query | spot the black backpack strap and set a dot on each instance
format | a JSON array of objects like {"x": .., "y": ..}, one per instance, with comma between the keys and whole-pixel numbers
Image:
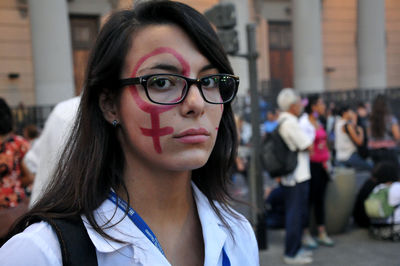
[{"x": 76, "y": 246}]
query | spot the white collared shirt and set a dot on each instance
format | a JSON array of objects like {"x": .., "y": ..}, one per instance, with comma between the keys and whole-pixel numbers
[
  {"x": 307, "y": 126},
  {"x": 296, "y": 139},
  {"x": 39, "y": 243}
]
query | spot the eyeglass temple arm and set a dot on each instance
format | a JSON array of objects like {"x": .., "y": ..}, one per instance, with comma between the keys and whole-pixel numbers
[{"x": 129, "y": 81}]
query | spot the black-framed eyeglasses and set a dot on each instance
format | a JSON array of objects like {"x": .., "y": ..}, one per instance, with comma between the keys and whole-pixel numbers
[{"x": 169, "y": 89}]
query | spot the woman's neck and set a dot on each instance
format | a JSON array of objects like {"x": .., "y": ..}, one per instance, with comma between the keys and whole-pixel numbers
[
  {"x": 313, "y": 120},
  {"x": 159, "y": 196},
  {"x": 165, "y": 202}
]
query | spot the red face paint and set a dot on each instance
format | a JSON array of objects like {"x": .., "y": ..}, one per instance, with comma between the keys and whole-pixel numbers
[{"x": 155, "y": 132}]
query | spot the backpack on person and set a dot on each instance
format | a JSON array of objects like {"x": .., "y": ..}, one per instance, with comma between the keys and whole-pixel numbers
[
  {"x": 276, "y": 157},
  {"x": 378, "y": 210},
  {"x": 377, "y": 205},
  {"x": 75, "y": 244}
]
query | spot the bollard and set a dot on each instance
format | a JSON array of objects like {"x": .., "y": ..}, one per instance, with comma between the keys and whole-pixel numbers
[{"x": 340, "y": 197}]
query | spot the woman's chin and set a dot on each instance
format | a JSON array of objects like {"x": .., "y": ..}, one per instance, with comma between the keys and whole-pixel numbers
[{"x": 190, "y": 162}]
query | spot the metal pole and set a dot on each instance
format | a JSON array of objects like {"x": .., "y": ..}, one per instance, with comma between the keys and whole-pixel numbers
[{"x": 256, "y": 182}]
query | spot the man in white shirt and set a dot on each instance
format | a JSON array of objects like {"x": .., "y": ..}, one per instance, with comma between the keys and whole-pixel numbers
[
  {"x": 296, "y": 184},
  {"x": 42, "y": 158}
]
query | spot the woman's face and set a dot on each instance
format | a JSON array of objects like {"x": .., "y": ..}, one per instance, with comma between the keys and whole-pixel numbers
[
  {"x": 319, "y": 107},
  {"x": 172, "y": 137}
]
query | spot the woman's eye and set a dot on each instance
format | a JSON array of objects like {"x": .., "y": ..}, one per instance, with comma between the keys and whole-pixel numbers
[
  {"x": 210, "y": 82},
  {"x": 160, "y": 83}
]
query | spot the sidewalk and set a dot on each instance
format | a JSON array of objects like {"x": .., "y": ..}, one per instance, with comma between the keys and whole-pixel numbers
[{"x": 353, "y": 248}]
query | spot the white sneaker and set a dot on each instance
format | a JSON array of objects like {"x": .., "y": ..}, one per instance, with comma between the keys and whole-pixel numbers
[
  {"x": 325, "y": 240},
  {"x": 299, "y": 259},
  {"x": 305, "y": 252},
  {"x": 309, "y": 242}
]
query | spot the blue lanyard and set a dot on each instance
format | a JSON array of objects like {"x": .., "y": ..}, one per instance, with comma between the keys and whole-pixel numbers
[{"x": 138, "y": 221}]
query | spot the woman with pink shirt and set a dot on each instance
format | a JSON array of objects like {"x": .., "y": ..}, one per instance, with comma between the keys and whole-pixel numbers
[{"x": 319, "y": 157}]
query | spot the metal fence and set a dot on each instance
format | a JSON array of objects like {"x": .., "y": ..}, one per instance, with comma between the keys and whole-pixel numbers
[
  {"x": 37, "y": 115},
  {"x": 32, "y": 115},
  {"x": 350, "y": 97}
]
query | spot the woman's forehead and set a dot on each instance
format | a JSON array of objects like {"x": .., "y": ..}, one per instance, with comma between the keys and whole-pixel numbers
[{"x": 167, "y": 44}]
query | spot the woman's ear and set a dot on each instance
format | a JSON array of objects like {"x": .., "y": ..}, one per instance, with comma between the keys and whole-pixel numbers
[{"x": 108, "y": 106}]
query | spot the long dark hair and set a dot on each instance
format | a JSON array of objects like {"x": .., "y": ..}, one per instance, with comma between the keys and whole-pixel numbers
[
  {"x": 311, "y": 101},
  {"x": 92, "y": 162},
  {"x": 380, "y": 114}
]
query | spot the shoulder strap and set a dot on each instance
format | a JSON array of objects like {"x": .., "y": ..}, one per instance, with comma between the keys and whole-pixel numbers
[
  {"x": 279, "y": 133},
  {"x": 76, "y": 246}
]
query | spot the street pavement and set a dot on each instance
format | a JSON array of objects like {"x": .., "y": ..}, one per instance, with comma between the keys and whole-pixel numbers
[{"x": 352, "y": 248}]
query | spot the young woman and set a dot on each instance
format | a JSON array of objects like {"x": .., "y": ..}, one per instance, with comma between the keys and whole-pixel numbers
[
  {"x": 319, "y": 157},
  {"x": 147, "y": 163},
  {"x": 348, "y": 135},
  {"x": 384, "y": 132}
]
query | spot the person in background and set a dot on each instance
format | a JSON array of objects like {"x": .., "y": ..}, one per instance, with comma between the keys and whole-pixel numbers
[
  {"x": 383, "y": 172},
  {"x": 384, "y": 132},
  {"x": 331, "y": 117},
  {"x": 31, "y": 133},
  {"x": 362, "y": 114},
  {"x": 14, "y": 175},
  {"x": 387, "y": 228},
  {"x": 362, "y": 122},
  {"x": 42, "y": 158},
  {"x": 347, "y": 137},
  {"x": 146, "y": 167},
  {"x": 295, "y": 185},
  {"x": 271, "y": 123},
  {"x": 319, "y": 157}
]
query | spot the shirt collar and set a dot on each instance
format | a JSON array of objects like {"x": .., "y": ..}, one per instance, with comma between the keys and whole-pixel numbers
[
  {"x": 214, "y": 231},
  {"x": 121, "y": 227}
]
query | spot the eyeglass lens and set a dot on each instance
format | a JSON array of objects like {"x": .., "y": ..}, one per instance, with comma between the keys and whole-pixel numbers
[{"x": 171, "y": 89}]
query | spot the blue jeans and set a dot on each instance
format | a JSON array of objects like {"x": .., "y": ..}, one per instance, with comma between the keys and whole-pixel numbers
[
  {"x": 296, "y": 206},
  {"x": 357, "y": 162}
]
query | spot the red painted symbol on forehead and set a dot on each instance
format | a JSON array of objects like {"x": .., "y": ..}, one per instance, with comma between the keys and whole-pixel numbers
[{"x": 155, "y": 132}]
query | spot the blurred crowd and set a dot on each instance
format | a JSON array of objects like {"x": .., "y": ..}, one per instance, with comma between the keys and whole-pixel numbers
[
  {"x": 327, "y": 136},
  {"x": 363, "y": 136}
]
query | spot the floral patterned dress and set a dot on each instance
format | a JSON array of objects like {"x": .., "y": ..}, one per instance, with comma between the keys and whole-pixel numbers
[{"x": 12, "y": 151}]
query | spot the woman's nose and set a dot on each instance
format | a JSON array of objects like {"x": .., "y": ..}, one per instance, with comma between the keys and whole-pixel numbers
[{"x": 194, "y": 103}]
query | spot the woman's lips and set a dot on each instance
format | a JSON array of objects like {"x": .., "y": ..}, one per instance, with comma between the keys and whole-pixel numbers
[{"x": 192, "y": 136}]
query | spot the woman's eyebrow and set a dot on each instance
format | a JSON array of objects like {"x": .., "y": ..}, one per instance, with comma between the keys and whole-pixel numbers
[
  {"x": 166, "y": 67},
  {"x": 207, "y": 67}
]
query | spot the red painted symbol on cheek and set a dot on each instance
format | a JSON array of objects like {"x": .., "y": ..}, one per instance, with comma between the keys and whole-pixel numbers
[{"x": 155, "y": 132}]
